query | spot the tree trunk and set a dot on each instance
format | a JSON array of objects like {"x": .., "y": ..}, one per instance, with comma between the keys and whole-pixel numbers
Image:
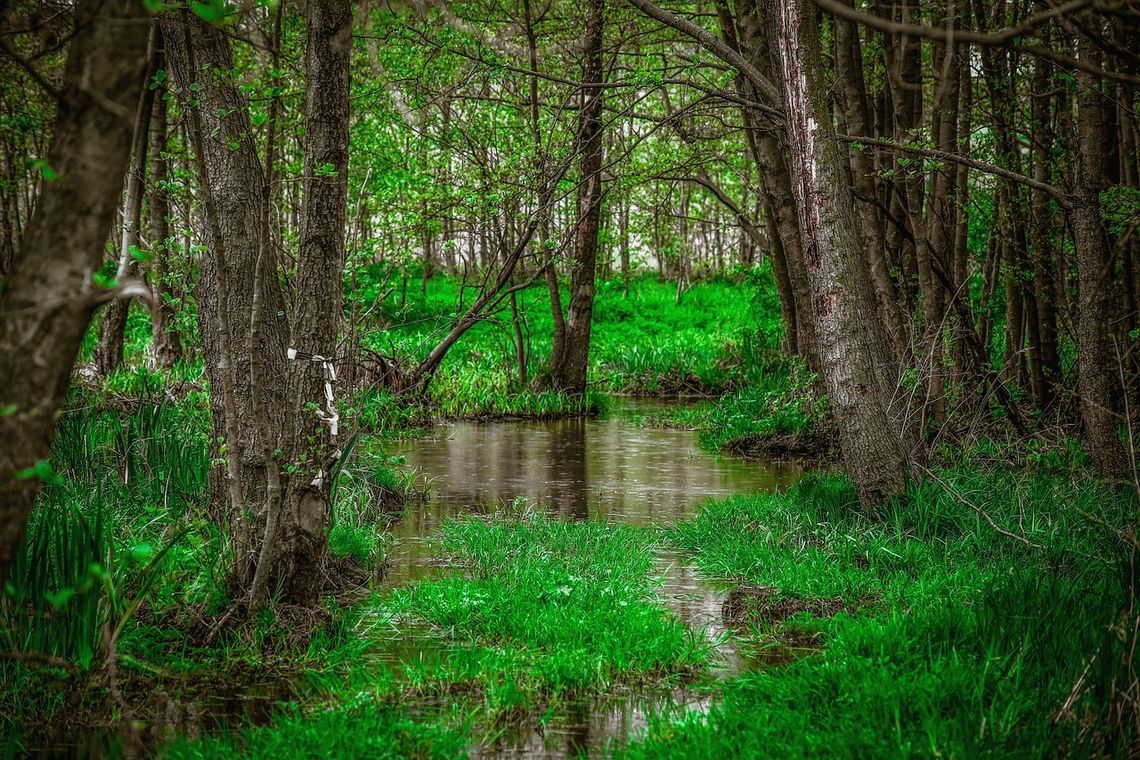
[
  {"x": 568, "y": 371},
  {"x": 48, "y": 297},
  {"x": 233, "y": 196},
  {"x": 776, "y": 188},
  {"x": 849, "y": 70},
  {"x": 1093, "y": 273},
  {"x": 849, "y": 333},
  {"x": 295, "y": 548},
  {"x": 166, "y": 346},
  {"x": 113, "y": 327}
]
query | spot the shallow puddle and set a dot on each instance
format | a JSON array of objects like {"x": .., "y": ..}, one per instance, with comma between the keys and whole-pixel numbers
[{"x": 593, "y": 727}]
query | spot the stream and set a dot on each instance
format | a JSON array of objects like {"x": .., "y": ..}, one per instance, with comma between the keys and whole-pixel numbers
[{"x": 609, "y": 468}]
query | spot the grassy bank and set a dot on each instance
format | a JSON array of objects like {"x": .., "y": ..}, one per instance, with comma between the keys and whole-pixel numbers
[
  {"x": 940, "y": 635},
  {"x": 984, "y": 616},
  {"x": 720, "y": 336},
  {"x": 647, "y": 343}
]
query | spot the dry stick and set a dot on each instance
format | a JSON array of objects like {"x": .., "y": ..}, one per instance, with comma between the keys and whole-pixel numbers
[
  {"x": 1006, "y": 38},
  {"x": 951, "y": 35},
  {"x": 1127, "y": 414},
  {"x": 39, "y": 658},
  {"x": 966, "y": 502}
]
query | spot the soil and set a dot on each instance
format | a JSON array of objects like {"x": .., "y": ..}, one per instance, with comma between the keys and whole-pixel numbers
[{"x": 810, "y": 446}]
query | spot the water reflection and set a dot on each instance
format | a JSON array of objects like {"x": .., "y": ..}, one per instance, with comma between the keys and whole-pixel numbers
[{"x": 602, "y": 469}]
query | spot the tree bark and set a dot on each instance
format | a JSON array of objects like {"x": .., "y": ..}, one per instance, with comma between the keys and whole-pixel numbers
[
  {"x": 568, "y": 369},
  {"x": 49, "y": 295},
  {"x": 301, "y": 542},
  {"x": 233, "y": 196},
  {"x": 776, "y": 188},
  {"x": 849, "y": 74},
  {"x": 849, "y": 333},
  {"x": 1093, "y": 273},
  {"x": 113, "y": 327},
  {"x": 166, "y": 345}
]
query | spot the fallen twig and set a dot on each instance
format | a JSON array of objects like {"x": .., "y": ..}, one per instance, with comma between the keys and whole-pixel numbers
[{"x": 985, "y": 515}]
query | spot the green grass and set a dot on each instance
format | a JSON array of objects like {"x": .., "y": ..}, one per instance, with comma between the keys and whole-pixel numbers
[
  {"x": 576, "y": 592},
  {"x": 957, "y": 641},
  {"x": 722, "y": 336},
  {"x": 778, "y": 404},
  {"x": 538, "y": 613},
  {"x": 646, "y": 344}
]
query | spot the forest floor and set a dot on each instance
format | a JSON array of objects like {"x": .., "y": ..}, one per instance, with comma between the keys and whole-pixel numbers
[{"x": 987, "y": 614}]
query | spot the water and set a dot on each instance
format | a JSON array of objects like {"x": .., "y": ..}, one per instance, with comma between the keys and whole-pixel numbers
[
  {"x": 608, "y": 469},
  {"x": 599, "y": 469}
]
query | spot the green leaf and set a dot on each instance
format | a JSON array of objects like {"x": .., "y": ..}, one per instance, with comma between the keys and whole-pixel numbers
[
  {"x": 105, "y": 280},
  {"x": 49, "y": 174},
  {"x": 142, "y": 552},
  {"x": 41, "y": 470},
  {"x": 60, "y": 598},
  {"x": 214, "y": 11},
  {"x": 140, "y": 255}
]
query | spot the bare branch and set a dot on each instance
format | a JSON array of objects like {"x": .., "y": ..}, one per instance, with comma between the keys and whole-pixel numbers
[
  {"x": 955, "y": 158},
  {"x": 717, "y": 47}
]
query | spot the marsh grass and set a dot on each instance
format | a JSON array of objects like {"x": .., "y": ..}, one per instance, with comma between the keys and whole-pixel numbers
[
  {"x": 536, "y": 614},
  {"x": 576, "y": 592},
  {"x": 119, "y": 548},
  {"x": 958, "y": 641}
]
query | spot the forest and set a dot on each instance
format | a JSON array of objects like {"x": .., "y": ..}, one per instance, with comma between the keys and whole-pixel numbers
[{"x": 555, "y": 378}]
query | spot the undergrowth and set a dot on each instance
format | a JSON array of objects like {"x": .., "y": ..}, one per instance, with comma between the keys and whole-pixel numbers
[{"x": 956, "y": 640}]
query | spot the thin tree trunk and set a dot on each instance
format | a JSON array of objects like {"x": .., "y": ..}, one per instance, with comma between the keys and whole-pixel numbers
[
  {"x": 569, "y": 373},
  {"x": 776, "y": 189},
  {"x": 112, "y": 333},
  {"x": 166, "y": 346},
  {"x": 232, "y": 188},
  {"x": 1093, "y": 273},
  {"x": 295, "y": 553}
]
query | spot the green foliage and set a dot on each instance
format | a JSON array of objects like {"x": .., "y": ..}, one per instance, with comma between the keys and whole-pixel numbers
[
  {"x": 53, "y": 602},
  {"x": 576, "y": 592},
  {"x": 956, "y": 641},
  {"x": 1120, "y": 206}
]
